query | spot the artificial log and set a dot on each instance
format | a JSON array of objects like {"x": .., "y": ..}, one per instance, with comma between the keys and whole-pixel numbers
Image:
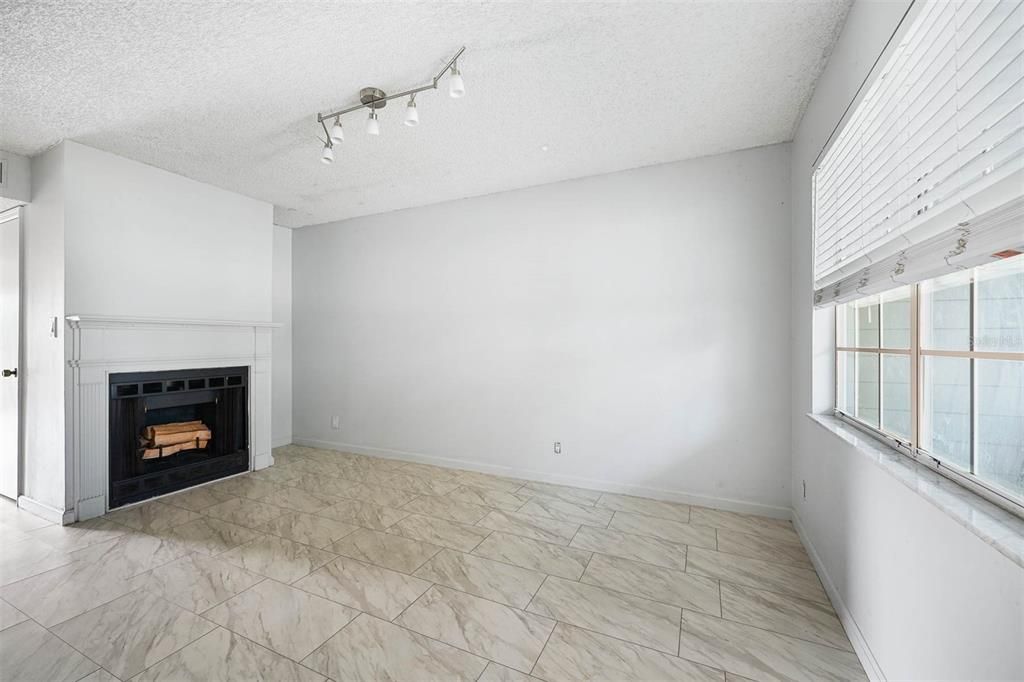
[
  {"x": 153, "y": 453},
  {"x": 150, "y": 432},
  {"x": 162, "y": 439}
]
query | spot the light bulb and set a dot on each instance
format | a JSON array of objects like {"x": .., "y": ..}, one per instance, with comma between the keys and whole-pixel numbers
[
  {"x": 372, "y": 125},
  {"x": 327, "y": 157},
  {"x": 456, "y": 87},
  {"x": 337, "y": 134},
  {"x": 412, "y": 118}
]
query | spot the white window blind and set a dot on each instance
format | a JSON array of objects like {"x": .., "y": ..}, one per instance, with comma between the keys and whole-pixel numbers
[{"x": 930, "y": 164}]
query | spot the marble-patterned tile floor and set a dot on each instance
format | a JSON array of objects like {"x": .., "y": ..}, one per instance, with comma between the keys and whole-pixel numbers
[{"x": 337, "y": 566}]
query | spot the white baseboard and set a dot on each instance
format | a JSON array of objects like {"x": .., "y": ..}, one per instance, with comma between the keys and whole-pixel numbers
[
  {"x": 513, "y": 472},
  {"x": 45, "y": 511},
  {"x": 857, "y": 639}
]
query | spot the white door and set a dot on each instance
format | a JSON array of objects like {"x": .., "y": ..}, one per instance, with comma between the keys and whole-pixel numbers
[{"x": 10, "y": 327}]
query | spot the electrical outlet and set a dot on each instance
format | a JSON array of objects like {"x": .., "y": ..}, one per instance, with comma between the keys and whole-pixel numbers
[
  {"x": 558, "y": 448},
  {"x": 336, "y": 422},
  {"x": 805, "y": 489}
]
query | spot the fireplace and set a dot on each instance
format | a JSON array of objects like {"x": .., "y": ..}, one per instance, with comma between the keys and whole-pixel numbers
[{"x": 175, "y": 429}]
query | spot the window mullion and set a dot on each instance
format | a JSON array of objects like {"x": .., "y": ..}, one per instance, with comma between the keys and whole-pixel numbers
[{"x": 915, "y": 367}]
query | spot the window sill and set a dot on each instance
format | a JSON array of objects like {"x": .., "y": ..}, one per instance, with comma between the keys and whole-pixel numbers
[{"x": 995, "y": 526}]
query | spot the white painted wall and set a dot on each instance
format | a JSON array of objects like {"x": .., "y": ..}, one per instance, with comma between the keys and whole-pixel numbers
[
  {"x": 16, "y": 184},
  {"x": 281, "y": 341},
  {"x": 930, "y": 599},
  {"x": 127, "y": 221},
  {"x": 636, "y": 317},
  {"x": 41, "y": 373}
]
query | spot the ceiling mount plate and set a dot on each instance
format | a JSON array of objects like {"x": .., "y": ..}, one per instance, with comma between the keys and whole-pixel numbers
[{"x": 373, "y": 98}]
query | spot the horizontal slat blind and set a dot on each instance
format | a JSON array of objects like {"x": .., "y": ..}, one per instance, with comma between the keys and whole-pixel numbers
[{"x": 940, "y": 129}]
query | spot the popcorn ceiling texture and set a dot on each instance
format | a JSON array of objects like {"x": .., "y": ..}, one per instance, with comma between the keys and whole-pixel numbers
[{"x": 226, "y": 92}]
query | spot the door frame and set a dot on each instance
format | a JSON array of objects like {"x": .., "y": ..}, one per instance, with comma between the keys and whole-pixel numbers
[{"x": 17, "y": 214}]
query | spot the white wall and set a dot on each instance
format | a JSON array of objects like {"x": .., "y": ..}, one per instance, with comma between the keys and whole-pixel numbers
[
  {"x": 41, "y": 373},
  {"x": 129, "y": 223},
  {"x": 16, "y": 187},
  {"x": 640, "y": 318},
  {"x": 930, "y": 599},
  {"x": 281, "y": 341}
]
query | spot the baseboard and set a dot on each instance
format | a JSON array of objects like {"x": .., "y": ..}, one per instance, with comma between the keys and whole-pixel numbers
[
  {"x": 684, "y": 497},
  {"x": 857, "y": 639},
  {"x": 45, "y": 511}
]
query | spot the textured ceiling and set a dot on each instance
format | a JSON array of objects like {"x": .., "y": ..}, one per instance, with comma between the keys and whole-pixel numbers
[{"x": 226, "y": 92}]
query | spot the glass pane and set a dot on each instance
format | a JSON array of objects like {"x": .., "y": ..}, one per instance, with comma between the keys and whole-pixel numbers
[
  {"x": 946, "y": 409},
  {"x": 866, "y": 408},
  {"x": 867, "y": 322},
  {"x": 946, "y": 312},
  {"x": 846, "y": 325},
  {"x": 1000, "y": 433},
  {"x": 896, "y": 395},
  {"x": 999, "y": 312},
  {"x": 846, "y": 383},
  {"x": 896, "y": 318}
]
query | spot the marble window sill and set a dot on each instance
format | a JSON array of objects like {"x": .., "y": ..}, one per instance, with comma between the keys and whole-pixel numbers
[{"x": 995, "y": 526}]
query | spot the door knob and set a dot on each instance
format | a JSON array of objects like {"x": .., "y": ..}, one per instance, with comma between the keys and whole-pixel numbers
[{"x": 11, "y": 372}]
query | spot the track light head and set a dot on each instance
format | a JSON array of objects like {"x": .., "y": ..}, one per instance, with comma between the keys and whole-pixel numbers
[
  {"x": 372, "y": 124},
  {"x": 327, "y": 157},
  {"x": 456, "y": 86},
  {"x": 412, "y": 118},
  {"x": 337, "y": 133}
]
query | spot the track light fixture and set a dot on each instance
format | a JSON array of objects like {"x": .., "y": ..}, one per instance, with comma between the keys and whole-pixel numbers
[{"x": 375, "y": 98}]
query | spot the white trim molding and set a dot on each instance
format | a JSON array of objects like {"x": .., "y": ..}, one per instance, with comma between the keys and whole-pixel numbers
[{"x": 101, "y": 345}]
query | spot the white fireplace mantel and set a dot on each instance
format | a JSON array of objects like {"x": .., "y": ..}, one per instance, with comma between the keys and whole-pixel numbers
[{"x": 104, "y": 345}]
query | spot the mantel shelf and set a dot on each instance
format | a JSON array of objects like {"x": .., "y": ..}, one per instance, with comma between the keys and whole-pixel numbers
[{"x": 99, "y": 321}]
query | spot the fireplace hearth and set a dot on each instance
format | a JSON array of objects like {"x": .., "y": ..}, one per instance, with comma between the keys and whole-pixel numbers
[{"x": 175, "y": 429}]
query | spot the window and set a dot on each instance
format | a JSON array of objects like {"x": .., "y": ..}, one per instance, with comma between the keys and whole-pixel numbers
[{"x": 939, "y": 368}]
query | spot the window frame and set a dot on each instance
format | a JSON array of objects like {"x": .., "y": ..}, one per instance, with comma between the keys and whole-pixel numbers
[{"x": 911, "y": 447}]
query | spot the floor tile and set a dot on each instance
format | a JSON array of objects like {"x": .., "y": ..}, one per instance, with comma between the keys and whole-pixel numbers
[
  {"x": 197, "y": 582},
  {"x": 297, "y": 499},
  {"x": 482, "y": 577},
  {"x": 439, "y": 532},
  {"x": 152, "y": 516},
  {"x": 369, "y": 648},
  {"x": 65, "y": 592},
  {"x": 99, "y": 675},
  {"x": 196, "y": 499},
  {"x": 222, "y": 656},
  {"x": 385, "y": 549},
  {"x": 29, "y": 557},
  {"x": 429, "y": 471},
  {"x": 133, "y": 632},
  {"x": 282, "y": 618},
  {"x": 246, "y": 486},
  {"x": 318, "y": 531},
  {"x": 628, "y": 546},
  {"x": 576, "y": 654},
  {"x": 134, "y": 553},
  {"x": 663, "y": 529},
  {"x": 212, "y": 536},
  {"x": 364, "y": 514},
  {"x": 654, "y": 582},
  {"x": 321, "y": 484},
  {"x": 744, "y": 523},
  {"x": 569, "y": 512},
  {"x": 633, "y": 619},
  {"x": 762, "y": 655},
  {"x": 502, "y": 634},
  {"x": 277, "y": 558},
  {"x": 448, "y": 509},
  {"x": 9, "y": 615},
  {"x": 280, "y": 474},
  {"x": 545, "y": 557},
  {"x": 30, "y": 653},
  {"x": 764, "y": 548},
  {"x": 79, "y": 535},
  {"x": 764, "y": 575},
  {"x": 489, "y": 481},
  {"x": 801, "y": 618},
  {"x": 388, "y": 497},
  {"x": 496, "y": 499},
  {"x": 495, "y": 672},
  {"x": 19, "y": 519},
  {"x": 673, "y": 511},
  {"x": 378, "y": 591},
  {"x": 563, "y": 492},
  {"x": 414, "y": 484},
  {"x": 535, "y": 527},
  {"x": 243, "y": 512}
]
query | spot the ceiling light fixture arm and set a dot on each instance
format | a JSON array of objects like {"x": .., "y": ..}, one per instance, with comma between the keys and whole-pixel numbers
[{"x": 405, "y": 93}]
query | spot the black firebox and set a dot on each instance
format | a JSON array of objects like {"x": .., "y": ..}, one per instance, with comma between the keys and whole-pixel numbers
[{"x": 215, "y": 398}]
